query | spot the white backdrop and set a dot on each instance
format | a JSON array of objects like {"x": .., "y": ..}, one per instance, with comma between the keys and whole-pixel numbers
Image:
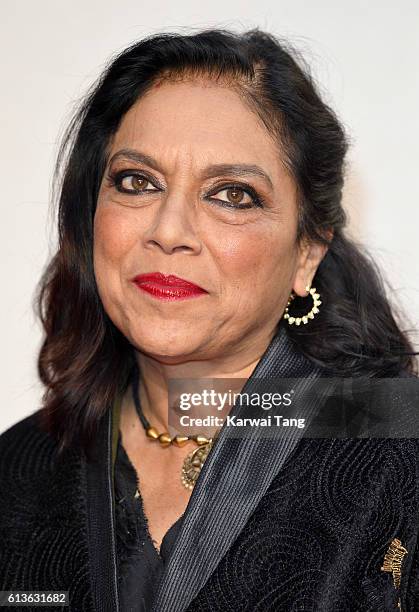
[{"x": 364, "y": 56}]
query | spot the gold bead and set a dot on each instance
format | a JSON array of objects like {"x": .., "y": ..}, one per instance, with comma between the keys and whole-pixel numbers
[
  {"x": 165, "y": 439},
  {"x": 152, "y": 433},
  {"x": 180, "y": 440},
  {"x": 201, "y": 440}
]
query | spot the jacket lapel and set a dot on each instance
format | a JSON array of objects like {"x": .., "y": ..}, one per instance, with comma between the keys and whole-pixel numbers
[
  {"x": 100, "y": 518},
  {"x": 234, "y": 477}
]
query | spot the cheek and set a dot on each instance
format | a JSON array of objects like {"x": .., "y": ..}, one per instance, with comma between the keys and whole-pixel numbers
[
  {"x": 111, "y": 242},
  {"x": 252, "y": 257},
  {"x": 111, "y": 237}
]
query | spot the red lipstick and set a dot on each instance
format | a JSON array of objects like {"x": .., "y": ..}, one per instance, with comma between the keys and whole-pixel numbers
[{"x": 169, "y": 287}]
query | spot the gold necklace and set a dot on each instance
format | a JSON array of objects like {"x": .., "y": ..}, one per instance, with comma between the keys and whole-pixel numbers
[{"x": 193, "y": 462}]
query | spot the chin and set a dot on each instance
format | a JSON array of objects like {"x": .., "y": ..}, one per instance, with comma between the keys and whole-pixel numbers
[
  {"x": 169, "y": 348},
  {"x": 162, "y": 355}
]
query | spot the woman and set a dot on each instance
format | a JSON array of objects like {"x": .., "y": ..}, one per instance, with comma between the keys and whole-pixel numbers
[{"x": 201, "y": 235}]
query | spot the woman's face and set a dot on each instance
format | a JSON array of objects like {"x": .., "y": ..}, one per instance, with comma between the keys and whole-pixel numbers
[{"x": 177, "y": 212}]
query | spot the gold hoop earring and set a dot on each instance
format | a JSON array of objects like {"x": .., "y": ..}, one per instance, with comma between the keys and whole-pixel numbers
[{"x": 309, "y": 315}]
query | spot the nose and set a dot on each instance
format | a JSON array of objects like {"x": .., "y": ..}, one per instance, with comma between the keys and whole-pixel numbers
[{"x": 173, "y": 227}]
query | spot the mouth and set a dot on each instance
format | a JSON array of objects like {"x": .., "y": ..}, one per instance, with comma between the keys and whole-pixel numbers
[{"x": 168, "y": 287}]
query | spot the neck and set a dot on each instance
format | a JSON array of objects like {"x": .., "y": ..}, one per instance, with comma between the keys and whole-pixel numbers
[{"x": 155, "y": 377}]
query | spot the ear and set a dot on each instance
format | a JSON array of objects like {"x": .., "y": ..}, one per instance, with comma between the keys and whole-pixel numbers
[{"x": 309, "y": 259}]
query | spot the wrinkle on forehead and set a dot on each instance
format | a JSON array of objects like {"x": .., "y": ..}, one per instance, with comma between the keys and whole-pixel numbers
[{"x": 198, "y": 123}]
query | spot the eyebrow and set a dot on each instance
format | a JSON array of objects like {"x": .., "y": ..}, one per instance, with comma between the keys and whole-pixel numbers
[{"x": 209, "y": 172}]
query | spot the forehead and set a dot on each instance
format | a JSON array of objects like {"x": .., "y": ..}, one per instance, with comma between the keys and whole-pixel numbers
[{"x": 197, "y": 120}]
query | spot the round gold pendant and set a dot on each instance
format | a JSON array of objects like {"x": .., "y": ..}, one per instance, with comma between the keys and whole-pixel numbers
[{"x": 193, "y": 463}]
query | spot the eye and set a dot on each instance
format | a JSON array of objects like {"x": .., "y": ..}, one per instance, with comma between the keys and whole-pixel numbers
[
  {"x": 238, "y": 197},
  {"x": 130, "y": 182}
]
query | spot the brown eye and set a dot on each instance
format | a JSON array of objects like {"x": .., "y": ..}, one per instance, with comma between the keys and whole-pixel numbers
[
  {"x": 133, "y": 182},
  {"x": 235, "y": 196}
]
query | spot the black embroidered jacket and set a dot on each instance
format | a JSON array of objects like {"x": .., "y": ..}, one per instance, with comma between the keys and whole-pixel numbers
[{"x": 273, "y": 524}]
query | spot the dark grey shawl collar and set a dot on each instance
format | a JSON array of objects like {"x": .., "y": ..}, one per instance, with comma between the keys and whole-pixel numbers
[{"x": 235, "y": 476}]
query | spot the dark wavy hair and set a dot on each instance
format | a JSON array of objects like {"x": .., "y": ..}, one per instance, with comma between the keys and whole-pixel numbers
[{"x": 84, "y": 360}]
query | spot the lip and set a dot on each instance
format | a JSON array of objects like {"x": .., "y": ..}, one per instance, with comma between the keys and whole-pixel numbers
[{"x": 167, "y": 287}]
